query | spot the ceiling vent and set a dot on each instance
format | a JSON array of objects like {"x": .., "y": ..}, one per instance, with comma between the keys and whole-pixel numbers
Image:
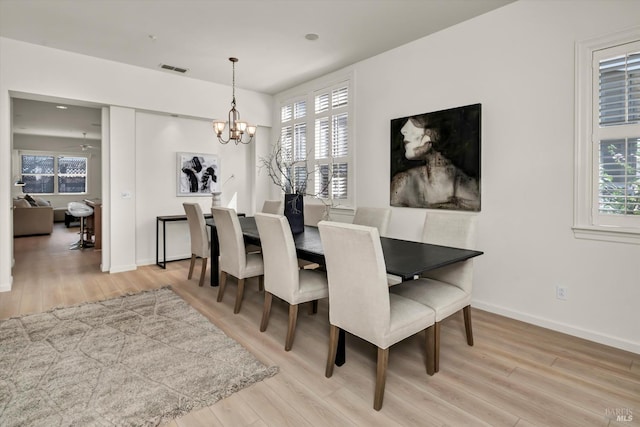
[{"x": 172, "y": 68}]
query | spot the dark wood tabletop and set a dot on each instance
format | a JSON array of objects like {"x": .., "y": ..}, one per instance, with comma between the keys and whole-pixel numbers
[{"x": 403, "y": 258}]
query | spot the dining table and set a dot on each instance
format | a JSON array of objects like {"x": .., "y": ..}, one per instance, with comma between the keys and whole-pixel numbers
[{"x": 404, "y": 259}]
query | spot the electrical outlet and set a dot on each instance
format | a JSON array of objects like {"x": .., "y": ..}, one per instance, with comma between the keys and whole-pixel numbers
[{"x": 562, "y": 293}]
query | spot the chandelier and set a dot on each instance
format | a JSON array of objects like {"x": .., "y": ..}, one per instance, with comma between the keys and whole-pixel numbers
[{"x": 236, "y": 128}]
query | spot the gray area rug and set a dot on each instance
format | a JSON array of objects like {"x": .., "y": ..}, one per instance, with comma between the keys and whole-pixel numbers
[{"x": 136, "y": 360}]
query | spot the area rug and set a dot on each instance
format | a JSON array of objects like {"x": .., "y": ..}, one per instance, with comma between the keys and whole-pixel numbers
[{"x": 136, "y": 360}]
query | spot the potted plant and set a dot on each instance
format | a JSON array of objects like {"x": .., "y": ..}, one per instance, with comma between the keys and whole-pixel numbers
[{"x": 291, "y": 174}]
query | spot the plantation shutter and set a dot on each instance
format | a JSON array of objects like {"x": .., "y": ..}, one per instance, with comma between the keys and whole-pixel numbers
[
  {"x": 332, "y": 142},
  {"x": 617, "y": 138}
]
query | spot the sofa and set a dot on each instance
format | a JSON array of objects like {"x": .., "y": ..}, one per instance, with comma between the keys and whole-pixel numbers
[{"x": 30, "y": 220}]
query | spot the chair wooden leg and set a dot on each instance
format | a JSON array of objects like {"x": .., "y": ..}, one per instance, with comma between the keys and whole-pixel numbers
[
  {"x": 381, "y": 377},
  {"x": 193, "y": 262},
  {"x": 430, "y": 346},
  {"x": 239, "y": 296},
  {"x": 223, "y": 284},
  {"x": 436, "y": 347},
  {"x": 204, "y": 270},
  {"x": 291, "y": 329},
  {"x": 261, "y": 283},
  {"x": 314, "y": 306},
  {"x": 266, "y": 312},
  {"x": 467, "y": 324},
  {"x": 333, "y": 348}
]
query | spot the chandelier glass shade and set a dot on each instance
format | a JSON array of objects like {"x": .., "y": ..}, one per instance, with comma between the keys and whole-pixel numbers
[{"x": 236, "y": 128}]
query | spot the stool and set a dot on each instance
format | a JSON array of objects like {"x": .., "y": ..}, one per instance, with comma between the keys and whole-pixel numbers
[
  {"x": 69, "y": 219},
  {"x": 82, "y": 211}
]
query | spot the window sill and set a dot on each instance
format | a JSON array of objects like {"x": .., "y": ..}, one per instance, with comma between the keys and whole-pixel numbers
[{"x": 608, "y": 234}]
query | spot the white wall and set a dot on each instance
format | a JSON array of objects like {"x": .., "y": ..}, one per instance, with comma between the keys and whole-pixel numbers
[
  {"x": 518, "y": 61},
  {"x": 159, "y": 139},
  {"x": 27, "y": 70}
]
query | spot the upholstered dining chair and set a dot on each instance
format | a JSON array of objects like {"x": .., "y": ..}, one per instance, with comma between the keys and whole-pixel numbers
[
  {"x": 200, "y": 245},
  {"x": 359, "y": 299},
  {"x": 282, "y": 277},
  {"x": 373, "y": 217},
  {"x": 314, "y": 213},
  {"x": 234, "y": 260},
  {"x": 446, "y": 290},
  {"x": 275, "y": 207}
]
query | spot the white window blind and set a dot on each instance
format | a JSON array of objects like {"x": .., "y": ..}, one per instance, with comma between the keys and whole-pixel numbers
[
  {"x": 332, "y": 150},
  {"x": 320, "y": 137},
  {"x": 617, "y": 133},
  {"x": 293, "y": 143},
  {"x": 619, "y": 89}
]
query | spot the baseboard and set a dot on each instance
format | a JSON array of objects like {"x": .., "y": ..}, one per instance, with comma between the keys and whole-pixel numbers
[
  {"x": 122, "y": 268},
  {"x": 559, "y": 327},
  {"x": 6, "y": 287}
]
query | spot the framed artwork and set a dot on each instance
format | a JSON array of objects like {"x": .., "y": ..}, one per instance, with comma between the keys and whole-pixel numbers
[
  {"x": 197, "y": 174},
  {"x": 435, "y": 160}
]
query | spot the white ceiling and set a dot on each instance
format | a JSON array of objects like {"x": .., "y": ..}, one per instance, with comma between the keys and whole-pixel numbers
[
  {"x": 32, "y": 117},
  {"x": 268, "y": 36}
]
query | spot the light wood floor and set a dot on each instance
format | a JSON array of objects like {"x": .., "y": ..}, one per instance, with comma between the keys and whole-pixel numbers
[{"x": 515, "y": 375}]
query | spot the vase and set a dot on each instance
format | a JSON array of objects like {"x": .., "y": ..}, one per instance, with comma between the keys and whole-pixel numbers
[
  {"x": 216, "y": 199},
  {"x": 294, "y": 211}
]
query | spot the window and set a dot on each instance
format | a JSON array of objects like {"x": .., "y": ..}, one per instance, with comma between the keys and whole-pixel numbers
[
  {"x": 53, "y": 174},
  {"x": 315, "y": 137},
  {"x": 608, "y": 139}
]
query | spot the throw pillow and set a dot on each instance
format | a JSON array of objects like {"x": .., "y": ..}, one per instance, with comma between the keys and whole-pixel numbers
[
  {"x": 30, "y": 199},
  {"x": 42, "y": 202}
]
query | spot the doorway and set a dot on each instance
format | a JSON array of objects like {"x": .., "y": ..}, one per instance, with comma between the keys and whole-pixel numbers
[{"x": 57, "y": 155}]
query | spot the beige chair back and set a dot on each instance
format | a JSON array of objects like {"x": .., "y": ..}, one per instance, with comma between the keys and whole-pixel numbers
[
  {"x": 356, "y": 272},
  {"x": 314, "y": 213},
  {"x": 233, "y": 258},
  {"x": 373, "y": 217},
  {"x": 197, "y": 230},
  {"x": 281, "y": 276},
  {"x": 457, "y": 230},
  {"x": 273, "y": 207}
]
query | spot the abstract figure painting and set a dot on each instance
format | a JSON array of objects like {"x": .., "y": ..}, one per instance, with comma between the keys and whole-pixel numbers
[
  {"x": 198, "y": 174},
  {"x": 435, "y": 160}
]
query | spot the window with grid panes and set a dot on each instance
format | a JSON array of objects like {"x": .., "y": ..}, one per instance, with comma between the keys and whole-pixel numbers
[
  {"x": 293, "y": 142},
  {"x": 610, "y": 132},
  {"x": 53, "y": 174},
  {"x": 618, "y": 131},
  {"x": 331, "y": 142},
  {"x": 314, "y": 133}
]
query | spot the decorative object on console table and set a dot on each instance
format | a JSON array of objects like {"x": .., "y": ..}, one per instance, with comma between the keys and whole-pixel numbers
[
  {"x": 197, "y": 174},
  {"x": 216, "y": 196},
  {"x": 216, "y": 199}
]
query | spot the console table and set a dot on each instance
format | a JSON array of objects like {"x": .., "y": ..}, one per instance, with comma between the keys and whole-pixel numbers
[{"x": 164, "y": 219}]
